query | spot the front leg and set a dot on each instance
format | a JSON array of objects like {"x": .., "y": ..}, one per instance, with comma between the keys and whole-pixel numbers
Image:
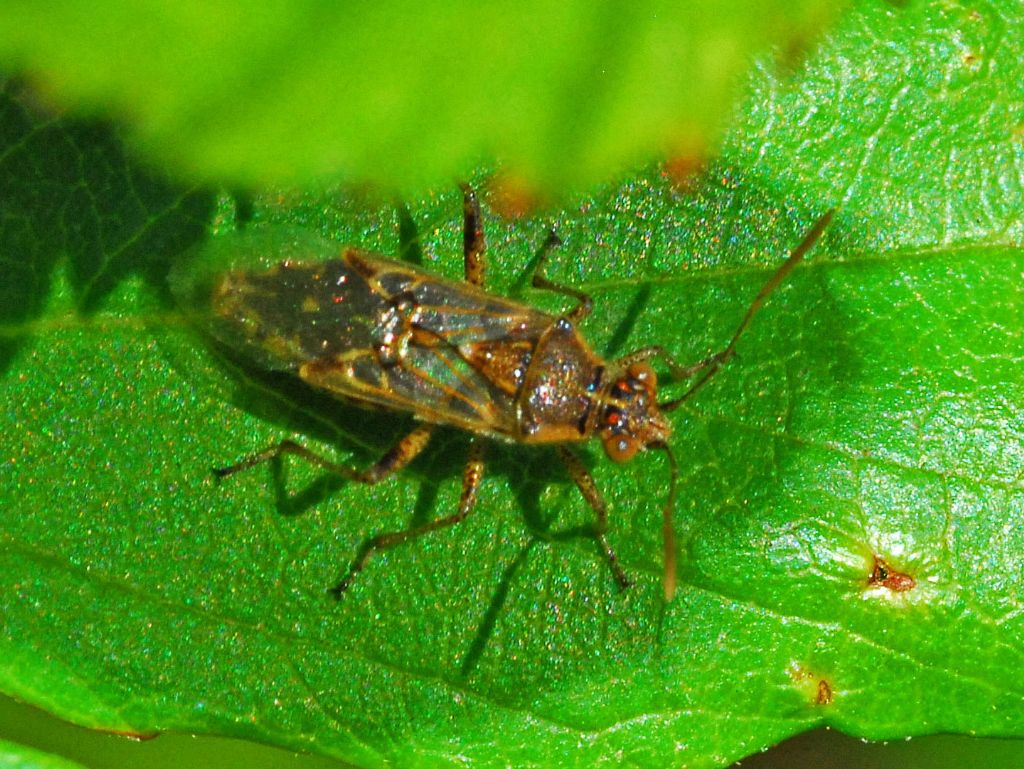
[{"x": 585, "y": 482}]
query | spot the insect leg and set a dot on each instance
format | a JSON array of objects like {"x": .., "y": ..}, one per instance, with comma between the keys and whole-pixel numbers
[
  {"x": 678, "y": 370},
  {"x": 590, "y": 492},
  {"x": 710, "y": 365},
  {"x": 472, "y": 237},
  {"x": 713, "y": 363},
  {"x": 540, "y": 280},
  {"x": 401, "y": 454},
  {"x": 470, "y": 486}
]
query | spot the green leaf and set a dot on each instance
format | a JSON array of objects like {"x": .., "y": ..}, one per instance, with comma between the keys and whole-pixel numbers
[
  {"x": 404, "y": 93},
  {"x": 14, "y": 756},
  {"x": 868, "y": 435}
]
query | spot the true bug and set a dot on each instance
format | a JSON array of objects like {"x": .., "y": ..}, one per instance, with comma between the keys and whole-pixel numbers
[{"x": 385, "y": 334}]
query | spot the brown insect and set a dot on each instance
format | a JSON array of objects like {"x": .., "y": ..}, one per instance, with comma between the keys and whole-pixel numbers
[{"x": 382, "y": 333}]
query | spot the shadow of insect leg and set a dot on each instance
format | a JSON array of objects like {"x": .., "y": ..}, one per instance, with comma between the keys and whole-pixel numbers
[
  {"x": 494, "y": 610},
  {"x": 396, "y": 458},
  {"x": 590, "y": 492},
  {"x": 471, "y": 478}
]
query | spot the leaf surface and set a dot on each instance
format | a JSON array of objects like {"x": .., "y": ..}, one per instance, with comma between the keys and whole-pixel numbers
[{"x": 851, "y": 485}]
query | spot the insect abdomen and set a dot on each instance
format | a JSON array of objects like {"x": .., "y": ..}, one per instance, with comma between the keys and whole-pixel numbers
[{"x": 295, "y": 312}]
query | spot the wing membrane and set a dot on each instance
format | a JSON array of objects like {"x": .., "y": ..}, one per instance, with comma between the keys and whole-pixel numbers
[{"x": 384, "y": 333}]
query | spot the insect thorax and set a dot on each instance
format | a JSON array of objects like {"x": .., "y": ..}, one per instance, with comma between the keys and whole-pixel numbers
[{"x": 561, "y": 388}]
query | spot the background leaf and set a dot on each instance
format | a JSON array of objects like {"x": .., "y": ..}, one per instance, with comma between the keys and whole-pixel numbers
[
  {"x": 870, "y": 428},
  {"x": 404, "y": 93},
  {"x": 19, "y": 757}
]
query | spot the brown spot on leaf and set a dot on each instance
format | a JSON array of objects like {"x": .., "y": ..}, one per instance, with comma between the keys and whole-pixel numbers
[
  {"x": 971, "y": 60},
  {"x": 816, "y": 688},
  {"x": 884, "y": 575},
  {"x": 824, "y": 692}
]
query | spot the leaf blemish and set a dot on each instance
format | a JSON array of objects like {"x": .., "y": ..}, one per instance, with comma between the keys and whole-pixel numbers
[
  {"x": 824, "y": 692},
  {"x": 815, "y": 688},
  {"x": 884, "y": 575}
]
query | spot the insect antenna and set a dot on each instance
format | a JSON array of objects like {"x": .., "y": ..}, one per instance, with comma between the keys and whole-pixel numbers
[
  {"x": 712, "y": 364},
  {"x": 668, "y": 532}
]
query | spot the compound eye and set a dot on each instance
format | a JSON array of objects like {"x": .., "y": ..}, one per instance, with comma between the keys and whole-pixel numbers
[
  {"x": 643, "y": 375},
  {"x": 621, "y": 447}
]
